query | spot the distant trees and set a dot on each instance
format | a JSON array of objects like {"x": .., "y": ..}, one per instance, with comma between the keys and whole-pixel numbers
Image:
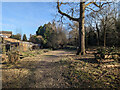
[
  {"x": 117, "y": 24},
  {"x": 107, "y": 23},
  {"x": 50, "y": 35},
  {"x": 61, "y": 39},
  {"x": 92, "y": 38},
  {"x": 101, "y": 28},
  {"x": 17, "y": 36},
  {"x": 104, "y": 23},
  {"x": 37, "y": 39},
  {"x": 74, "y": 34},
  {"x": 40, "y": 31},
  {"x": 24, "y": 37}
]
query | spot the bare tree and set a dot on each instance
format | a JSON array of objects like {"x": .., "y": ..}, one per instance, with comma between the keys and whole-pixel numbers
[
  {"x": 73, "y": 34},
  {"x": 93, "y": 22},
  {"x": 107, "y": 16},
  {"x": 81, "y": 18},
  {"x": 103, "y": 20}
]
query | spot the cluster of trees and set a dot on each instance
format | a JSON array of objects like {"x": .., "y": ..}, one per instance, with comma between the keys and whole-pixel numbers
[
  {"x": 18, "y": 37},
  {"x": 50, "y": 36},
  {"x": 104, "y": 25},
  {"x": 95, "y": 35}
]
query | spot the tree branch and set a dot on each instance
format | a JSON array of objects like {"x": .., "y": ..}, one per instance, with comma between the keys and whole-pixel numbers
[
  {"x": 93, "y": 9},
  {"x": 101, "y": 5},
  {"x": 88, "y": 4},
  {"x": 64, "y": 14}
]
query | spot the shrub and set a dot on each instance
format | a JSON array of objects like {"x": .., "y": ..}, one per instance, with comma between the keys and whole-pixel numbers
[
  {"x": 13, "y": 56},
  {"x": 3, "y": 49}
]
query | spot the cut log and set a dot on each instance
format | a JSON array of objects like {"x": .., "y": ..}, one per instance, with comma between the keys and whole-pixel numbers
[
  {"x": 110, "y": 66},
  {"x": 107, "y": 60},
  {"x": 108, "y": 56}
]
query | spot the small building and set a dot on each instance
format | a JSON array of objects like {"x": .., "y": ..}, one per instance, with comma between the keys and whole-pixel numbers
[
  {"x": 6, "y": 33},
  {"x": 24, "y": 46},
  {"x": 14, "y": 43}
]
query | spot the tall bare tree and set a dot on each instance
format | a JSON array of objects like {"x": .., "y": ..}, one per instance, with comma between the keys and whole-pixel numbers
[
  {"x": 73, "y": 34},
  {"x": 107, "y": 20},
  {"x": 93, "y": 22},
  {"x": 103, "y": 20},
  {"x": 81, "y": 18}
]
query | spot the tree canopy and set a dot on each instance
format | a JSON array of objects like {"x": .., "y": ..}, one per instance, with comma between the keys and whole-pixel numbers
[
  {"x": 76, "y": 12},
  {"x": 24, "y": 37},
  {"x": 17, "y": 36},
  {"x": 54, "y": 36}
]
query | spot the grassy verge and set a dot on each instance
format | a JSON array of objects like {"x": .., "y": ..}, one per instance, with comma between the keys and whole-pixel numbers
[
  {"x": 34, "y": 52},
  {"x": 6, "y": 64},
  {"x": 18, "y": 74}
]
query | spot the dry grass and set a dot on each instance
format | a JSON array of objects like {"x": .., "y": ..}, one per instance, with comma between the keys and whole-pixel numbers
[
  {"x": 58, "y": 69},
  {"x": 15, "y": 78},
  {"x": 39, "y": 71},
  {"x": 84, "y": 72}
]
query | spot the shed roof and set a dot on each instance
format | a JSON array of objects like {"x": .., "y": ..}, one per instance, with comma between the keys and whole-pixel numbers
[{"x": 6, "y": 32}]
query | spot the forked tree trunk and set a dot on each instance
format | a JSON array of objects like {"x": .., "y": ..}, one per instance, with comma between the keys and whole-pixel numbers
[{"x": 81, "y": 49}]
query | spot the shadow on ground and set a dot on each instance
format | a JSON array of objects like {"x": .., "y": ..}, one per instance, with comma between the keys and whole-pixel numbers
[
  {"x": 41, "y": 74},
  {"x": 88, "y": 60}
]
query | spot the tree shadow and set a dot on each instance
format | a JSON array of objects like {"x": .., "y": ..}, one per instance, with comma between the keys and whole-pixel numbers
[
  {"x": 88, "y": 60},
  {"x": 52, "y": 56},
  {"x": 60, "y": 55},
  {"x": 34, "y": 66}
]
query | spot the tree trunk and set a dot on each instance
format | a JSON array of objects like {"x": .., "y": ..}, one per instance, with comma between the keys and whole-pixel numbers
[
  {"x": 98, "y": 35},
  {"x": 104, "y": 37},
  {"x": 81, "y": 49}
]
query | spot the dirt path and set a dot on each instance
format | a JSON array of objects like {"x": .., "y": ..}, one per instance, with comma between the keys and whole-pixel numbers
[{"x": 41, "y": 71}]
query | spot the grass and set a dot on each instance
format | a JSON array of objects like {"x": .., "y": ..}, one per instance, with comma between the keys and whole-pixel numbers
[
  {"x": 15, "y": 78},
  {"x": 16, "y": 75},
  {"x": 24, "y": 54},
  {"x": 81, "y": 74},
  {"x": 34, "y": 52}
]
